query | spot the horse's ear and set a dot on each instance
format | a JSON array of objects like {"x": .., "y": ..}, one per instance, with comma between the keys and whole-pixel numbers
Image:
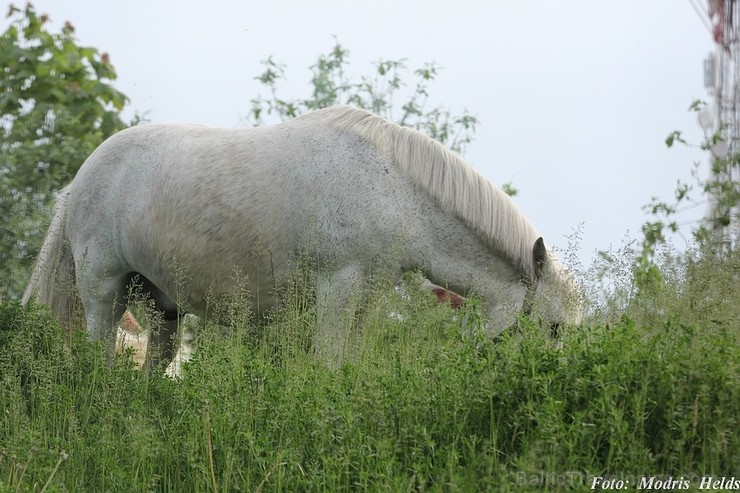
[{"x": 539, "y": 255}]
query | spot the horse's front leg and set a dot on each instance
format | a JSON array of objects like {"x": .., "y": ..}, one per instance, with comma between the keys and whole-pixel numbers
[{"x": 337, "y": 297}]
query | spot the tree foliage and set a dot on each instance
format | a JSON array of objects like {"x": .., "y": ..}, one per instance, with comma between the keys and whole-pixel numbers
[
  {"x": 717, "y": 233},
  {"x": 720, "y": 193},
  {"x": 384, "y": 92},
  {"x": 57, "y": 105}
]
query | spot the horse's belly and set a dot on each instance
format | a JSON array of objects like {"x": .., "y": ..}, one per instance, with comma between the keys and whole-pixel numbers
[{"x": 198, "y": 278}]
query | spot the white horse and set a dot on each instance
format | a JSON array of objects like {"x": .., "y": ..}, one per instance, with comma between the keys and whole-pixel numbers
[{"x": 181, "y": 208}]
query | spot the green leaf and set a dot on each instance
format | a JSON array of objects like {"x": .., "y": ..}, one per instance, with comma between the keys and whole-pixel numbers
[
  {"x": 509, "y": 189},
  {"x": 697, "y": 105},
  {"x": 674, "y": 136}
]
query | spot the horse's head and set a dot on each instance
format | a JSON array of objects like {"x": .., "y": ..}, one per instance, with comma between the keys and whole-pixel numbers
[{"x": 552, "y": 292}]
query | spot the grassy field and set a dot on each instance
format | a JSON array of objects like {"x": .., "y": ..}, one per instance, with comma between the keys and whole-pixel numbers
[{"x": 649, "y": 389}]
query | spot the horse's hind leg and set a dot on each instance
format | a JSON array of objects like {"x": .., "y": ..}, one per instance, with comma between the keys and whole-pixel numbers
[
  {"x": 161, "y": 342},
  {"x": 104, "y": 302},
  {"x": 162, "y": 338}
]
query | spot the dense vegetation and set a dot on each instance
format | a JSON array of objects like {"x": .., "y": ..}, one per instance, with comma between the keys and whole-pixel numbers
[{"x": 652, "y": 389}]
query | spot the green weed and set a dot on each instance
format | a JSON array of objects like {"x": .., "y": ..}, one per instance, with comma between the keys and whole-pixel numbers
[{"x": 420, "y": 405}]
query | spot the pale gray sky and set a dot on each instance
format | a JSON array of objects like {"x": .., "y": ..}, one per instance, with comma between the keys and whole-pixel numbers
[{"x": 574, "y": 98}]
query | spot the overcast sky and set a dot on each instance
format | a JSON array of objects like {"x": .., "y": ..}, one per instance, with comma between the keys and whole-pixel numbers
[{"x": 574, "y": 98}]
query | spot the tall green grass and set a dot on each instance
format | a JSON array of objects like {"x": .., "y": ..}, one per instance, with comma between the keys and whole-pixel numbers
[{"x": 419, "y": 405}]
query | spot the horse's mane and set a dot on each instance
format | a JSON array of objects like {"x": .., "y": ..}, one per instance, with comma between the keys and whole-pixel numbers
[{"x": 443, "y": 174}]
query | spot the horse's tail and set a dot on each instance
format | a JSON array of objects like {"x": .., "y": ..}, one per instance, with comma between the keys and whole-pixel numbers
[{"x": 53, "y": 278}]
